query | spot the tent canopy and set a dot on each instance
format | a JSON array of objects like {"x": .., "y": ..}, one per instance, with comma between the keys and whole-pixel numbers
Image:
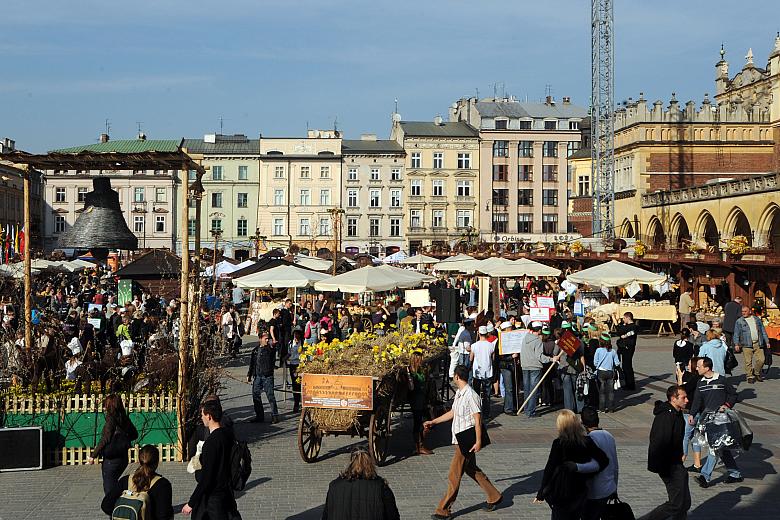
[
  {"x": 615, "y": 274},
  {"x": 398, "y": 256},
  {"x": 459, "y": 262},
  {"x": 419, "y": 259},
  {"x": 369, "y": 278},
  {"x": 223, "y": 268},
  {"x": 314, "y": 263},
  {"x": 280, "y": 277},
  {"x": 520, "y": 267}
]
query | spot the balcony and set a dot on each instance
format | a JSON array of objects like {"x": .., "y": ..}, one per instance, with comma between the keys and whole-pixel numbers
[{"x": 752, "y": 185}]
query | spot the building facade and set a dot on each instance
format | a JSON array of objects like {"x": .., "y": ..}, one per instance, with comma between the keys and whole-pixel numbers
[
  {"x": 442, "y": 176},
  {"x": 147, "y": 197},
  {"x": 12, "y": 198},
  {"x": 523, "y": 181},
  {"x": 231, "y": 197},
  {"x": 373, "y": 196}
]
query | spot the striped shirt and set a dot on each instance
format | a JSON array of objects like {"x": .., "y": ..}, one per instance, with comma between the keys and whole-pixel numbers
[{"x": 464, "y": 406}]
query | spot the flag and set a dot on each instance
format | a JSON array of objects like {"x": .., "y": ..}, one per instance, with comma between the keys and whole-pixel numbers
[
  {"x": 16, "y": 239},
  {"x": 7, "y": 241},
  {"x": 11, "y": 249},
  {"x": 21, "y": 244},
  {"x": 2, "y": 244}
]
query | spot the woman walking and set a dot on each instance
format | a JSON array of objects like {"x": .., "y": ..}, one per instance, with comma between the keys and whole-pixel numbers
[
  {"x": 606, "y": 361},
  {"x": 118, "y": 433},
  {"x": 145, "y": 480},
  {"x": 418, "y": 385}
]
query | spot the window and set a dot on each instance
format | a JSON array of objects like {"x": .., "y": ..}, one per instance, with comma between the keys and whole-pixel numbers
[
  {"x": 416, "y": 160},
  {"x": 59, "y": 223},
  {"x": 525, "y": 222},
  {"x": 500, "y": 148},
  {"x": 437, "y": 218},
  {"x": 525, "y": 197},
  {"x": 325, "y": 227},
  {"x": 304, "y": 227},
  {"x": 352, "y": 226},
  {"x": 416, "y": 188},
  {"x": 278, "y": 226},
  {"x": 159, "y": 224},
  {"x": 305, "y": 172},
  {"x": 395, "y": 174},
  {"x": 500, "y": 172},
  {"x": 374, "y": 198},
  {"x": 464, "y": 161},
  {"x": 278, "y": 197},
  {"x": 464, "y": 188},
  {"x": 352, "y": 198},
  {"x": 138, "y": 195},
  {"x": 502, "y": 124},
  {"x": 241, "y": 227},
  {"x": 216, "y": 173},
  {"x": 525, "y": 148},
  {"x": 549, "y": 223},
  {"x": 160, "y": 195},
  {"x": 305, "y": 197},
  {"x": 525, "y": 172},
  {"x": 551, "y": 125},
  {"x": 243, "y": 200},
  {"x": 501, "y": 197},
  {"x": 373, "y": 227},
  {"x": 500, "y": 222},
  {"x": 550, "y": 197},
  {"x": 415, "y": 218},
  {"x": 374, "y": 175},
  {"x": 395, "y": 227},
  {"x": 191, "y": 226},
  {"x": 324, "y": 197},
  {"x": 216, "y": 200},
  {"x": 279, "y": 172},
  {"x": 352, "y": 174},
  {"x": 583, "y": 185},
  {"x": 192, "y": 175},
  {"x": 525, "y": 125},
  {"x": 550, "y": 172},
  {"x": 550, "y": 149},
  {"x": 395, "y": 198},
  {"x": 243, "y": 173},
  {"x": 574, "y": 125},
  {"x": 324, "y": 172},
  {"x": 216, "y": 224},
  {"x": 572, "y": 147},
  {"x": 438, "y": 188},
  {"x": 464, "y": 218},
  {"x": 438, "y": 160},
  {"x": 81, "y": 194},
  {"x": 138, "y": 223}
]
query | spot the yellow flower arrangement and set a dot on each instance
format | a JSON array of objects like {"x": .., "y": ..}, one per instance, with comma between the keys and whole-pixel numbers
[
  {"x": 640, "y": 248},
  {"x": 737, "y": 245},
  {"x": 576, "y": 247}
]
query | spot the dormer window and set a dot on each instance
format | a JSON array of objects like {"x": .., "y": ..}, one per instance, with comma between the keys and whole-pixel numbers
[{"x": 502, "y": 124}]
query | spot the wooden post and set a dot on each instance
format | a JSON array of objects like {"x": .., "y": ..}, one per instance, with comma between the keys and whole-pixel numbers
[
  {"x": 184, "y": 328},
  {"x": 28, "y": 335},
  {"x": 196, "y": 291},
  {"x": 216, "y": 235}
]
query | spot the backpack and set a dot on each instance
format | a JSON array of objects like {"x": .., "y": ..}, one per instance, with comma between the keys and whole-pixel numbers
[
  {"x": 131, "y": 504},
  {"x": 240, "y": 465}
]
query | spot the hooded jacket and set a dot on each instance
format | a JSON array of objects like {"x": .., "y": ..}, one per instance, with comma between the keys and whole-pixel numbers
[
  {"x": 716, "y": 351},
  {"x": 666, "y": 439},
  {"x": 532, "y": 354}
]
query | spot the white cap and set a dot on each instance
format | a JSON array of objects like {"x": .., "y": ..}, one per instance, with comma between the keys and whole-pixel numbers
[
  {"x": 483, "y": 330},
  {"x": 536, "y": 325},
  {"x": 490, "y": 327},
  {"x": 506, "y": 325}
]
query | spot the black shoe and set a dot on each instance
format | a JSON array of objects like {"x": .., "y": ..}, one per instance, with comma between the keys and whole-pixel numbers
[
  {"x": 274, "y": 419},
  {"x": 437, "y": 516},
  {"x": 702, "y": 481},
  {"x": 732, "y": 480},
  {"x": 694, "y": 469},
  {"x": 257, "y": 420},
  {"x": 492, "y": 506},
  {"x": 296, "y": 409}
]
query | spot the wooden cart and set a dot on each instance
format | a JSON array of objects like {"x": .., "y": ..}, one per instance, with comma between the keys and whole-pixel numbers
[{"x": 335, "y": 405}]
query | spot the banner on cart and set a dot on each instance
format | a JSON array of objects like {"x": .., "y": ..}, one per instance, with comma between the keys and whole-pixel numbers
[{"x": 337, "y": 391}]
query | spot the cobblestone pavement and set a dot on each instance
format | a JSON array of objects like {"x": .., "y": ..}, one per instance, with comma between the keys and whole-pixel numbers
[{"x": 284, "y": 487}]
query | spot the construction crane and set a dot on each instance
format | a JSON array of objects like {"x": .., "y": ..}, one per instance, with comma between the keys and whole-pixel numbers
[{"x": 602, "y": 125}]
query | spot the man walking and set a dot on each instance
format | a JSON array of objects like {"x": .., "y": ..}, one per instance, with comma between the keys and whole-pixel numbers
[
  {"x": 603, "y": 484},
  {"x": 481, "y": 356},
  {"x": 532, "y": 358},
  {"x": 750, "y": 337},
  {"x": 626, "y": 345},
  {"x": 714, "y": 393},
  {"x": 731, "y": 313},
  {"x": 685, "y": 306},
  {"x": 465, "y": 414},
  {"x": 261, "y": 375},
  {"x": 665, "y": 454}
]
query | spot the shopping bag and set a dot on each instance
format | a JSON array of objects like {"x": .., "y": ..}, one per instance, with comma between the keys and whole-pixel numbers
[{"x": 616, "y": 509}]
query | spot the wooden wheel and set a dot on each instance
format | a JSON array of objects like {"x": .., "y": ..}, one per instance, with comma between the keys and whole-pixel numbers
[
  {"x": 379, "y": 434},
  {"x": 309, "y": 437},
  {"x": 368, "y": 325}
]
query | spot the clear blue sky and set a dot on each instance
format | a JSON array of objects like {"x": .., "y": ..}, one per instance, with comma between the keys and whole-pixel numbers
[{"x": 271, "y": 66}]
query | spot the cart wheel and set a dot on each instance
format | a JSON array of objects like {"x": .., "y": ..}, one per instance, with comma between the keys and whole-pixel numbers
[
  {"x": 309, "y": 437},
  {"x": 379, "y": 434},
  {"x": 368, "y": 325}
]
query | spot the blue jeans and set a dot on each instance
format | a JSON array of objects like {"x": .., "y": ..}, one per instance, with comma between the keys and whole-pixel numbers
[
  {"x": 483, "y": 387},
  {"x": 728, "y": 461},
  {"x": 509, "y": 390},
  {"x": 262, "y": 384},
  {"x": 688, "y": 437},
  {"x": 570, "y": 399},
  {"x": 530, "y": 380},
  {"x": 111, "y": 470}
]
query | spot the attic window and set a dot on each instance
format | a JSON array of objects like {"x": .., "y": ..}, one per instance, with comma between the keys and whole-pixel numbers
[
  {"x": 275, "y": 152},
  {"x": 502, "y": 124},
  {"x": 325, "y": 153}
]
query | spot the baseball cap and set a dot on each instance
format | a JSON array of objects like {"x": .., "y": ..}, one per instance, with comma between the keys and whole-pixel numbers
[
  {"x": 545, "y": 330},
  {"x": 536, "y": 325},
  {"x": 490, "y": 327},
  {"x": 605, "y": 336},
  {"x": 483, "y": 330},
  {"x": 565, "y": 325},
  {"x": 506, "y": 325}
]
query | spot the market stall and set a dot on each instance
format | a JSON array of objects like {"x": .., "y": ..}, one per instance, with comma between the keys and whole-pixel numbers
[{"x": 376, "y": 279}]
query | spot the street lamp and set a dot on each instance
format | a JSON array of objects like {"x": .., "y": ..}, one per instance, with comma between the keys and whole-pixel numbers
[{"x": 216, "y": 233}]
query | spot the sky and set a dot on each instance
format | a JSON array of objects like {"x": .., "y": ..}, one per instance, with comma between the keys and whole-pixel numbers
[{"x": 182, "y": 68}]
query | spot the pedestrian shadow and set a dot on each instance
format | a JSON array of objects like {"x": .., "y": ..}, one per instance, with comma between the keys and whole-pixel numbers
[
  {"x": 253, "y": 484},
  {"x": 522, "y": 485},
  {"x": 746, "y": 394},
  {"x": 314, "y": 513},
  {"x": 632, "y": 400}
]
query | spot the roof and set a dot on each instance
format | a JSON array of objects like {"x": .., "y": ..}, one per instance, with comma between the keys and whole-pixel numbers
[
  {"x": 127, "y": 146},
  {"x": 582, "y": 153},
  {"x": 379, "y": 146},
  {"x": 154, "y": 263},
  {"x": 225, "y": 144},
  {"x": 445, "y": 129},
  {"x": 517, "y": 109}
]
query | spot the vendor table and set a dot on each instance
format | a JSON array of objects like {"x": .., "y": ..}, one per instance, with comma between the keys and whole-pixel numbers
[
  {"x": 665, "y": 314},
  {"x": 773, "y": 331}
]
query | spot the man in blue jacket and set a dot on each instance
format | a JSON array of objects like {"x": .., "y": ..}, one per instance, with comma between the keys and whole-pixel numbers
[{"x": 750, "y": 337}]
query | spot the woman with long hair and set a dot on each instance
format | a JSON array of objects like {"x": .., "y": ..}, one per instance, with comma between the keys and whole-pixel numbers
[
  {"x": 359, "y": 493},
  {"x": 571, "y": 447},
  {"x": 118, "y": 433},
  {"x": 418, "y": 400},
  {"x": 145, "y": 480}
]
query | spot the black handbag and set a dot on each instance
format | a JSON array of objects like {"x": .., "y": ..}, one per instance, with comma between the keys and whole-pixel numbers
[
  {"x": 615, "y": 509},
  {"x": 731, "y": 362}
]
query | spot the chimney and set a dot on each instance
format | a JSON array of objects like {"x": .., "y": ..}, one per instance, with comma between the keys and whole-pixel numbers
[
  {"x": 549, "y": 101},
  {"x": 7, "y": 145},
  {"x": 104, "y": 138},
  {"x": 210, "y": 138},
  {"x": 438, "y": 121},
  {"x": 566, "y": 100},
  {"x": 368, "y": 137},
  {"x": 141, "y": 136}
]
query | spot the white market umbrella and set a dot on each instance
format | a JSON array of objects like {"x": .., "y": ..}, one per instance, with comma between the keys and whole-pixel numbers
[
  {"x": 223, "y": 268},
  {"x": 376, "y": 279},
  {"x": 520, "y": 267},
  {"x": 40, "y": 263},
  {"x": 459, "y": 262},
  {"x": 419, "y": 259},
  {"x": 71, "y": 266},
  {"x": 395, "y": 258},
  {"x": 15, "y": 271},
  {"x": 83, "y": 263},
  {"x": 311, "y": 262},
  {"x": 280, "y": 277},
  {"x": 615, "y": 274}
]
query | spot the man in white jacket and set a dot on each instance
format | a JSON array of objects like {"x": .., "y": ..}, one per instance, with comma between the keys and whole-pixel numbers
[{"x": 461, "y": 346}]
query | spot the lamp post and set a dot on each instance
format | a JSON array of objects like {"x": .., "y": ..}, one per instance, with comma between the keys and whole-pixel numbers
[
  {"x": 216, "y": 233},
  {"x": 28, "y": 335}
]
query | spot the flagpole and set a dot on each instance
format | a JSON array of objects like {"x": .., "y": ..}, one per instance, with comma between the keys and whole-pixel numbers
[{"x": 28, "y": 335}]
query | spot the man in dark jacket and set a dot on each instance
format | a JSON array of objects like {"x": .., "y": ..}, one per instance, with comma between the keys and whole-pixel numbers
[
  {"x": 261, "y": 370},
  {"x": 422, "y": 322},
  {"x": 626, "y": 346},
  {"x": 665, "y": 455},
  {"x": 731, "y": 313}
]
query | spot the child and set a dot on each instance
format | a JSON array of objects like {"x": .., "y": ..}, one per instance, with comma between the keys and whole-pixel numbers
[{"x": 683, "y": 349}]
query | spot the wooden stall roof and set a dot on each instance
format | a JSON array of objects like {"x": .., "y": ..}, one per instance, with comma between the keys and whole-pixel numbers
[{"x": 157, "y": 263}]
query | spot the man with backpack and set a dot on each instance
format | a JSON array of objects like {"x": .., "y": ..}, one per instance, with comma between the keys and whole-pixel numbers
[{"x": 261, "y": 375}]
